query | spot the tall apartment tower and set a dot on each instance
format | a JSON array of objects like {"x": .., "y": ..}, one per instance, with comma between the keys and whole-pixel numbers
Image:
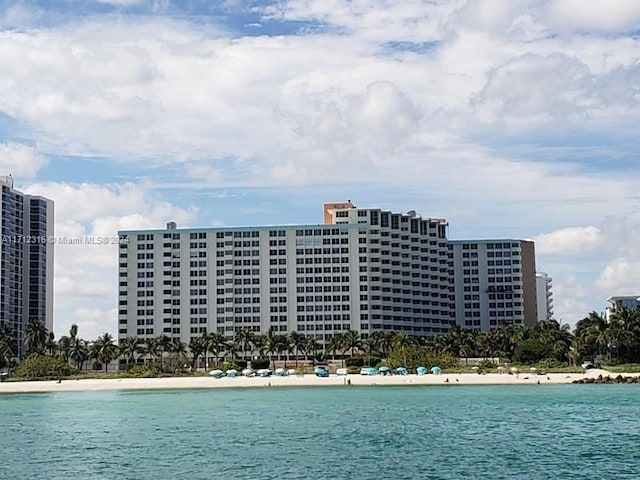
[
  {"x": 26, "y": 277},
  {"x": 364, "y": 269},
  {"x": 544, "y": 293},
  {"x": 493, "y": 281}
]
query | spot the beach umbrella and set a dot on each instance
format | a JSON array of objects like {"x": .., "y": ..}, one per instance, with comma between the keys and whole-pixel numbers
[
  {"x": 216, "y": 373},
  {"x": 401, "y": 371},
  {"x": 421, "y": 370},
  {"x": 514, "y": 370},
  {"x": 264, "y": 372},
  {"x": 502, "y": 369},
  {"x": 436, "y": 370},
  {"x": 533, "y": 369},
  {"x": 279, "y": 372},
  {"x": 247, "y": 372},
  {"x": 291, "y": 371},
  {"x": 383, "y": 369},
  {"x": 231, "y": 373},
  {"x": 475, "y": 367}
]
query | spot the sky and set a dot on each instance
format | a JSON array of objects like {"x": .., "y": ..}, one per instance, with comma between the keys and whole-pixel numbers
[{"x": 508, "y": 119}]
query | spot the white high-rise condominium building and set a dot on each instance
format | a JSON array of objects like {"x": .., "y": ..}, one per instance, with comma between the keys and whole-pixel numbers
[
  {"x": 620, "y": 302},
  {"x": 364, "y": 269},
  {"x": 544, "y": 295},
  {"x": 26, "y": 277},
  {"x": 493, "y": 281}
]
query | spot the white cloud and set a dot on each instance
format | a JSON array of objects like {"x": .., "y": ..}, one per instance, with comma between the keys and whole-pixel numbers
[
  {"x": 570, "y": 240},
  {"x": 531, "y": 88},
  {"x": 594, "y": 15},
  {"x": 93, "y": 322},
  {"x": 621, "y": 276},
  {"x": 205, "y": 173},
  {"x": 383, "y": 114},
  {"x": 20, "y": 160},
  {"x": 123, "y": 3},
  {"x": 571, "y": 301}
]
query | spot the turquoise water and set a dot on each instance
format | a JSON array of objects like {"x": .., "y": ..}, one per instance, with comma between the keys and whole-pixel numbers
[{"x": 508, "y": 432}]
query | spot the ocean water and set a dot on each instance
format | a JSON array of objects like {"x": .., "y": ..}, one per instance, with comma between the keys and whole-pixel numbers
[{"x": 359, "y": 433}]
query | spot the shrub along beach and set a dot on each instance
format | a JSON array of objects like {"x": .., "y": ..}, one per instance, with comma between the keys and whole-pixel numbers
[{"x": 545, "y": 353}]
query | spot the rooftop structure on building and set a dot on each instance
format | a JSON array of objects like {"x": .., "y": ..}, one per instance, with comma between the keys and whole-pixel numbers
[{"x": 26, "y": 277}]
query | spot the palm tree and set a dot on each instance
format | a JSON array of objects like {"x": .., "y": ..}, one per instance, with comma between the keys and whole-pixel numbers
[
  {"x": 351, "y": 342},
  {"x": 79, "y": 352},
  {"x": 558, "y": 337},
  {"x": 164, "y": 343},
  {"x": 597, "y": 333},
  {"x": 104, "y": 350},
  {"x": 401, "y": 341},
  {"x": 65, "y": 343},
  {"x": 149, "y": 349},
  {"x": 483, "y": 344},
  {"x": 246, "y": 340},
  {"x": 233, "y": 347},
  {"x": 216, "y": 344},
  {"x": 371, "y": 345},
  {"x": 296, "y": 343},
  {"x": 177, "y": 353},
  {"x": 335, "y": 345},
  {"x": 462, "y": 341},
  {"x": 311, "y": 347},
  {"x": 624, "y": 326},
  {"x": 50, "y": 344},
  {"x": 385, "y": 342},
  {"x": 8, "y": 345},
  {"x": 197, "y": 346},
  {"x": 64, "y": 348},
  {"x": 273, "y": 344},
  {"x": 129, "y": 348},
  {"x": 35, "y": 335}
]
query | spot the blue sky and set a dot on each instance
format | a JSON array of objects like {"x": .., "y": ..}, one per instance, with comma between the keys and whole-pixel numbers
[{"x": 509, "y": 119}]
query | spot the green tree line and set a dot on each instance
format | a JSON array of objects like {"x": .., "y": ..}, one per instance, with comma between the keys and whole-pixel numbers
[{"x": 614, "y": 341}]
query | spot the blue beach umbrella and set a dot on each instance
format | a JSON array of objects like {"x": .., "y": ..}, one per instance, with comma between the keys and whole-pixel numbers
[
  {"x": 421, "y": 370},
  {"x": 436, "y": 370},
  {"x": 401, "y": 371}
]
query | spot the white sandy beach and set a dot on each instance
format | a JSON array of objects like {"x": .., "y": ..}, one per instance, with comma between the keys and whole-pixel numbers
[{"x": 308, "y": 380}]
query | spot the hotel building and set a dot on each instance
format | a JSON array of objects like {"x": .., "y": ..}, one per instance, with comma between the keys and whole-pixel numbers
[
  {"x": 26, "y": 277},
  {"x": 493, "y": 281},
  {"x": 544, "y": 295},
  {"x": 364, "y": 269}
]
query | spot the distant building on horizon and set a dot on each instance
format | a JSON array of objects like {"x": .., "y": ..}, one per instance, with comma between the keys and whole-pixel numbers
[
  {"x": 544, "y": 293},
  {"x": 494, "y": 281},
  {"x": 26, "y": 277}
]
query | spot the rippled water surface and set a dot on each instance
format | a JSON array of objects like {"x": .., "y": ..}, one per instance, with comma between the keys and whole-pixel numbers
[{"x": 507, "y": 432}]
